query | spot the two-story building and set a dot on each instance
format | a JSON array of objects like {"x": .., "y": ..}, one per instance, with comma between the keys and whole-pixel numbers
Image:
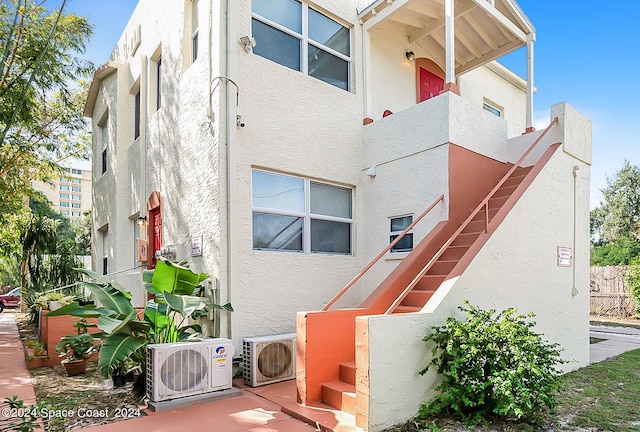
[{"x": 281, "y": 145}]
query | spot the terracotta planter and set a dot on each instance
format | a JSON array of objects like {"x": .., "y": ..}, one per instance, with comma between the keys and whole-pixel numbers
[{"x": 75, "y": 367}]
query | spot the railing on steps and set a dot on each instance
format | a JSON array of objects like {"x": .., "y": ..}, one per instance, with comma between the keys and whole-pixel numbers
[
  {"x": 484, "y": 203},
  {"x": 381, "y": 254}
]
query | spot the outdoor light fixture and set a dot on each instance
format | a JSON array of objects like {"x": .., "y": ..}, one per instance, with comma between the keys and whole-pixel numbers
[
  {"x": 142, "y": 220},
  {"x": 248, "y": 42},
  {"x": 411, "y": 56}
]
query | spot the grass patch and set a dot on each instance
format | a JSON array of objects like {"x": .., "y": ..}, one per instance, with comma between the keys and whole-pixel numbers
[
  {"x": 600, "y": 397},
  {"x": 604, "y": 395}
]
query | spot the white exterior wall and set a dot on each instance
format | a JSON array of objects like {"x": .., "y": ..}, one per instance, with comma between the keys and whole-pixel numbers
[
  {"x": 499, "y": 277},
  {"x": 294, "y": 124},
  {"x": 488, "y": 82}
]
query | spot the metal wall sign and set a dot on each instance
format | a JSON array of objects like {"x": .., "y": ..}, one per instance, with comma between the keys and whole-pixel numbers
[
  {"x": 196, "y": 245},
  {"x": 565, "y": 256}
]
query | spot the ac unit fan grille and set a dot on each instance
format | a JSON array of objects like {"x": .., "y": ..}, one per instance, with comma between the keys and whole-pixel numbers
[
  {"x": 274, "y": 360},
  {"x": 183, "y": 370}
]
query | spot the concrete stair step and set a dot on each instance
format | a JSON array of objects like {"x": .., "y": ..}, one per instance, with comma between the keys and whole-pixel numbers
[
  {"x": 348, "y": 372},
  {"x": 340, "y": 395}
]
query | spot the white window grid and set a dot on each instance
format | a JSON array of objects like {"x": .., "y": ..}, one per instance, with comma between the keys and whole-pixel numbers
[
  {"x": 307, "y": 216},
  {"x": 397, "y": 233},
  {"x": 306, "y": 40}
]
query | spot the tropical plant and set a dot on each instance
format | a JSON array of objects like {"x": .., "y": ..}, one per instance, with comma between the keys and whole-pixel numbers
[
  {"x": 77, "y": 347},
  {"x": 166, "y": 317},
  {"x": 492, "y": 366}
]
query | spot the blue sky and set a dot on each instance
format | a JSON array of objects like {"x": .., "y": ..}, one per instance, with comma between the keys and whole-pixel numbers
[{"x": 585, "y": 55}]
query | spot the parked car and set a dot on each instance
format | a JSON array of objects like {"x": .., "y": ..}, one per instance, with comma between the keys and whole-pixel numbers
[{"x": 10, "y": 299}]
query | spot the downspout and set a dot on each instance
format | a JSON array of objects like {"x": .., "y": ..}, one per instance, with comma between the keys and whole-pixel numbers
[
  {"x": 231, "y": 135},
  {"x": 574, "y": 291}
]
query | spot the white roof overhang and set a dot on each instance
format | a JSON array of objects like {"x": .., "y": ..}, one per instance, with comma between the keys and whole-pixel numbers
[{"x": 484, "y": 29}]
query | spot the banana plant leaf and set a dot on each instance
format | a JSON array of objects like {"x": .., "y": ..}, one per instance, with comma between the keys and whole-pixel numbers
[
  {"x": 128, "y": 325},
  {"x": 111, "y": 298},
  {"x": 185, "y": 304},
  {"x": 156, "y": 315},
  {"x": 86, "y": 311},
  {"x": 105, "y": 281},
  {"x": 174, "y": 278},
  {"x": 116, "y": 349},
  {"x": 226, "y": 306}
]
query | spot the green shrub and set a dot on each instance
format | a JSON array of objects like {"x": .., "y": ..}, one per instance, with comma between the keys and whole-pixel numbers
[{"x": 492, "y": 366}]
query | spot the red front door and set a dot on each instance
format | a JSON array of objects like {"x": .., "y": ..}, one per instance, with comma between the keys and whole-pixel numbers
[
  {"x": 156, "y": 235},
  {"x": 430, "y": 85}
]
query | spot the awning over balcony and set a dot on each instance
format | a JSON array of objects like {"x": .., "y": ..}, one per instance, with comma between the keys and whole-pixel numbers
[{"x": 459, "y": 35}]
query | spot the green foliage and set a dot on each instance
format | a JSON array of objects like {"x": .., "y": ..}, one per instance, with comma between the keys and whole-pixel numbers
[
  {"x": 27, "y": 422},
  {"x": 618, "y": 215},
  {"x": 77, "y": 347},
  {"x": 618, "y": 252},
  {"x": 167, "y": 317},
  {"x": 492, "y": 366},
  {"x": 632, "y": 278},
  {"x": 41, "y": 122}
]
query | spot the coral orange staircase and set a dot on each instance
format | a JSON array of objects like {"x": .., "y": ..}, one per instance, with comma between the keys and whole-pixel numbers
[{"x": 441, "y": 255}]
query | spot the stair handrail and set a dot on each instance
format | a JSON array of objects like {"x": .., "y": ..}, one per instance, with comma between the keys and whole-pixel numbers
[
  {"x": 381, "y": 254},
  {"x": 483, "y": 203}
]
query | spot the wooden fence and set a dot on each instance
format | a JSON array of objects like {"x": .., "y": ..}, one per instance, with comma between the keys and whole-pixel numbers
[{"x": 610, "y": 295}]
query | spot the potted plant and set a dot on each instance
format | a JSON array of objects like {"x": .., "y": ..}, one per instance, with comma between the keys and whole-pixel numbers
[{"x": 76, "y": 349}]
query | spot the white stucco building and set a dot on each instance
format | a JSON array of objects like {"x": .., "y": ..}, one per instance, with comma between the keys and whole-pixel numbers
[{"x": 281, "y": 145}]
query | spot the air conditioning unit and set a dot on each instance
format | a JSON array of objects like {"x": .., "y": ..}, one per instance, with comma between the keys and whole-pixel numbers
[
  {"x": 269, "y": 359},
  {"x": 181, "y": 369}
]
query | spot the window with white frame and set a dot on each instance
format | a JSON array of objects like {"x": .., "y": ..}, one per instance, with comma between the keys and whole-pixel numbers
[
  {"x": 64, "y": 187},
  {"x": 397, "y": 226},
  {"x": 76, "y": 197},
  {"x": 76, "y": 171},
  {"x": 75, "y": 205},
  {"x": 64, "y": 196},
  {"x": 75, "y": 214},
  {"x": 298, "y": 214},
  {"x": 492, "y": 107},
  {"x": 76, "y": 189},
  {"x": 64, "y": 204},
  {"x": 293, "y": 34},
  {"x": 104, "y": 236}
]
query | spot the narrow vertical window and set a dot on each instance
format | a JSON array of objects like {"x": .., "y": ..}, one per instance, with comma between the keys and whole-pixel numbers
[
  {"x": 158, "y": 83},
  {"x": 194, "y": 30},
  {"x": 136, "y": 119},
  {"x": 104, "y": 138},
  {"x": 105, "y": 251}
]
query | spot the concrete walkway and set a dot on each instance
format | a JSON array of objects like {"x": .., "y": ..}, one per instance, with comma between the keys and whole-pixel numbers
[
  {"x": 264, "y": 409},
  {"x": 617, "y": 340}
]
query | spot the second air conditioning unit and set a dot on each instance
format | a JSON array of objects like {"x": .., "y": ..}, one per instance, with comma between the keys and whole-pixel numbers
[
  {"x": 181, "y": 369},
  {"x": 269, "y": 359}
]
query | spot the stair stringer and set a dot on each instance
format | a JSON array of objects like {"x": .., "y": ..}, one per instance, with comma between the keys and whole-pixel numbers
[
  {"x": 402, "y": 397},
  {"x": 495, "y": 222}
]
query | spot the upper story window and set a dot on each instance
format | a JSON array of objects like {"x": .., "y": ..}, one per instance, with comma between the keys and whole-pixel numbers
[
  {"x": 64, "y": 187},
  {"x": 104, "y": 138},
  {"x": 76, "y": 171},
  {"x": 76, "y": 189},
  {"x": 158, "y": 83},
  {"x": 136, "y": 115},
  {"x": 493, "y": 108},
  {"x": 297, "y": 214},
  {"x": 292, "y": 34},
  {"x": 398, "y": 225},
  {"x": 194, "y": 30}
]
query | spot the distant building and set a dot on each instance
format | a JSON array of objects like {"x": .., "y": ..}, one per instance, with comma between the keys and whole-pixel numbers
[{"x": 70, "y": 194}]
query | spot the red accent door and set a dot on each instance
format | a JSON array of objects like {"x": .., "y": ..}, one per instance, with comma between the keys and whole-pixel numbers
[
  {"x": 430, "y": 85},
  {"x": 156, "y": 235}
]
